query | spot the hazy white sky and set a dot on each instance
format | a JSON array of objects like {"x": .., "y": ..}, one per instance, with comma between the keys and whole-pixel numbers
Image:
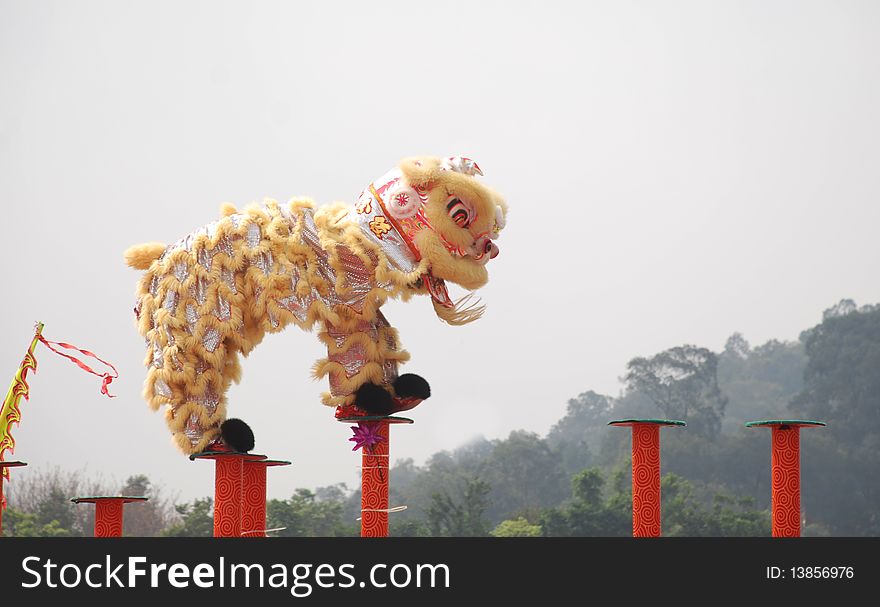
[{"x": 676, "y": 171}]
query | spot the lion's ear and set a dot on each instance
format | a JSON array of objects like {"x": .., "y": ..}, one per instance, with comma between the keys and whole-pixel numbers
[{"x": 420, "y": 170}]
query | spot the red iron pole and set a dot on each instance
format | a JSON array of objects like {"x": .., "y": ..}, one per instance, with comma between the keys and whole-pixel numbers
[
  {"x": 785, "y": 470},
  {"x": 108, "y": 512},
  {"x": 374, "y": 485},
  {"x": 228, "y": 485},
  {"x": 253, "y": 496},
  {"x": 646, "y": 473},
  {"x": 375, "y": 471}
]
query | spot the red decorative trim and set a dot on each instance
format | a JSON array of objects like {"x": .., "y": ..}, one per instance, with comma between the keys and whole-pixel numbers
[{"x": 395, "y": 224}]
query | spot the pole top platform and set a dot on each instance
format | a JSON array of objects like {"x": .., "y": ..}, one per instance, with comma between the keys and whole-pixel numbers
[
  {"x": 221, "y": 454},
  {"x": 94, "y": 499},
  {"x": 796, "y": 423},
  {"x": 269, "y": 462},
  {"x": 391, "y": 419},
  {"x": 652, "y": 422},
  {"x": 12, "y": 464}
]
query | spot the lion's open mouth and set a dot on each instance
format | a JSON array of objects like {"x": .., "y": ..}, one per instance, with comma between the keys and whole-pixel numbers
[
  {"x": 481, "y": 251},
  {"x": 437, "y": 288}
]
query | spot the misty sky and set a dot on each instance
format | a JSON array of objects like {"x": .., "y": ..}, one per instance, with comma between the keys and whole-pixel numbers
[{"x": 676, "y": 171}]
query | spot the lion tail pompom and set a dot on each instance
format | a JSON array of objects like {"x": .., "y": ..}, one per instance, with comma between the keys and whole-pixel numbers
[
  {"x": 140, "y": 256},
  {"x": 465, "y": 310}
]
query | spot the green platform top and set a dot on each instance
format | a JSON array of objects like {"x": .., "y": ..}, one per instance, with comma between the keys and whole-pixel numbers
[
  {"x": 799, "y": 423},
  {"x": 12, "y": 464},
  {"x": 92, "y": 499},
  {"x": 655, "y": 422},
  {"x": 217, "y": 454},
  {"x": 391, "y": 419}
]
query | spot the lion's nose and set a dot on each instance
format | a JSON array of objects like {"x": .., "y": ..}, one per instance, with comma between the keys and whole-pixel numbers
[{"x": 484, "y": 250}]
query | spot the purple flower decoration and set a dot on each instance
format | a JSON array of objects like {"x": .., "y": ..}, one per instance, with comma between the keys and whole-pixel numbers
[{"x": 366, "y": 434}]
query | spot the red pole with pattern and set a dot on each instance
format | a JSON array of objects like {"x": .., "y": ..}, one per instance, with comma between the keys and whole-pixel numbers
[
  {"x": 253, "y": 496},
  {"x": 228, "y": 473},
  {"x": 109, "y": 512},
  {"x": 785, "y": 472},
  {"x": 253, "y": 500},
  {"x": 108, "y": 518},
  {"x": 646, "y": 480},
  {"x": 229, "y": 469},
  {"x": 646, "y": 473},
  {"x": 785, "y": 469},
  {"x": 374, "y": 485}
]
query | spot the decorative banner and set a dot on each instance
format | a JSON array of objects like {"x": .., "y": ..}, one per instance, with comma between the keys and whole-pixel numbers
[{"x": 11, "y": 413}]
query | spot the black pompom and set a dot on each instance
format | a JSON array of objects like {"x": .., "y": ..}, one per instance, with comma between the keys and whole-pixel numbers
[
  {"x": 373, "y": 399},
  {"x": 410, "y": 385},
  {"x": 237, "y": 435}
]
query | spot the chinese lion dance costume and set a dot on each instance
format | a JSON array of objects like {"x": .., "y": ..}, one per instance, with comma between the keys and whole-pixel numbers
[{"x": 218, "y": 291}]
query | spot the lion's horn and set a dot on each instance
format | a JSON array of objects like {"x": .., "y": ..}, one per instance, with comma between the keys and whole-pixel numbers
[{"x": 460, "y": 164}]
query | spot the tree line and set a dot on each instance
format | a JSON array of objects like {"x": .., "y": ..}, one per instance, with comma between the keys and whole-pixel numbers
[{"x": 575, "y": 481}]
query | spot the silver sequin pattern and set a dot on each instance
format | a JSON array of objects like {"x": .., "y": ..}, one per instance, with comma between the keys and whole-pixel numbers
[{"x": 358, "y": 283}]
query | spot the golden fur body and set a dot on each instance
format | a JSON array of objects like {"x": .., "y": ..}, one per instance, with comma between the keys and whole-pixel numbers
[{"x": 215, "y": 294}]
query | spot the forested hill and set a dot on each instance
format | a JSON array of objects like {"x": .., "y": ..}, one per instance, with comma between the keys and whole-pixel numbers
[
  {"x": 575, "y": 480},
  {"x": 718, "y": 471}
]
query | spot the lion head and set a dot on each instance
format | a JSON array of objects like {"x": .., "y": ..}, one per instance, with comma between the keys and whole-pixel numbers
[{"x": 436, "y": 213}]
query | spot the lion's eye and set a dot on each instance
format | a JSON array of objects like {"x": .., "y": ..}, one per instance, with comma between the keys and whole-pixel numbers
[{"x": 459, "y": 213}]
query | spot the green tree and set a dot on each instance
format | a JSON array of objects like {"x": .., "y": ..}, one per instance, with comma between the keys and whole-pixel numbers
[
  {"x": 461, "y": 515},
  {"x": 759, "y": 382},
  {"x": 684, "y": 514},
  {"x": 577, "y": 436},
  {"x": 196, "y": 520},
  {"x": 842, "y": 388},
  {"x": 518, "y": 527},
  {"x": 46, "y": 494},
  {"x": 525, "y": 474},
  {"x": 23, "y": 524},
  {"x": 307, "y": 515},
  {"x": 145, "y": 519},
  {"x": 841, "y": 379},
  {"x": 408, "y": 528},
  {"x": 56, "y": 507},
  {"x": 683, "y": 383},
  {"x": 589, "y": 513}
]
